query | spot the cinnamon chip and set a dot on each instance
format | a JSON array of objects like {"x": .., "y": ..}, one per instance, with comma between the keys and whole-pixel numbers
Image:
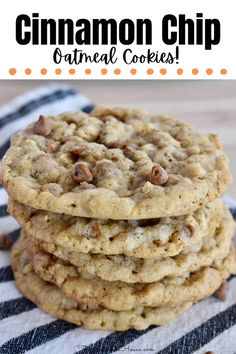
[
  {"x": 82, "y": 307},
  {"x": 96, "y": 230},
  {"x": 158, "y": 175},
  {"x": 129, "y": 152},
  {"x": 191, "y": 228},
  {"x": 221, "y": 293},
  {"x": 5, "y": 242},
  {"x": 157, "y": 243},
  {"x": 112, "y": 144},
  {"x": 52, "y": 145},
  {"x": 82, "y": 173},
  {"x": 77, "y": 150},
  {"x": 42, "y": 126}
]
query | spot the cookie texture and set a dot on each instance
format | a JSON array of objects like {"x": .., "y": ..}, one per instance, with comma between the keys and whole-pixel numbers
[
  {"x": 51, "y": 299},
  {"x": 118, "y": 296},
  {"x": 150, "y": 238},
  {"x": 139, "y": 270},
  {"x": 115, "y": 164}
]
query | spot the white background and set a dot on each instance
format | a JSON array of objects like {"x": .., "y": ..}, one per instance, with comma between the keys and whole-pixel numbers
[{"x": 36, "y": 57}]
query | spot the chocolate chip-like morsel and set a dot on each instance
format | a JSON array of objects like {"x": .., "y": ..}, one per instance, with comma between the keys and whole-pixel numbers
[
  {"x": 52, "y": 145},
  {"x": 5, "y": 242},
  {"x": 158, "y": 175},
  {"x": 190, "y": 228},
  {"x": 221, "y": 293},
  {"x": 77, "y": 150},
  {"x": 129, "y": 152},
  {"x": 81, "y": 173},
  {"x": 82, "y": 307},
  {"x": 112, "y": 144},
  {"x": 42, "y": 126},
  {"x": 157, "y": 243},
  {"x": 96, "y": 230}
]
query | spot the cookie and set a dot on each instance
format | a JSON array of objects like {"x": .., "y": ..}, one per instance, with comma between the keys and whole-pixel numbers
[
  {"x": 118, "y": 296},
  {"x": 115, "y": 164},
  {"x": 138, "y": 270},
  {"x": 51, "y": 299},
  {"x": 150, "y": 238}
]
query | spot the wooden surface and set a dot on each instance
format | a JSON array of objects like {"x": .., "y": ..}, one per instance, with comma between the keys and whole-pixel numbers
[{"x": 209, "y": 105}]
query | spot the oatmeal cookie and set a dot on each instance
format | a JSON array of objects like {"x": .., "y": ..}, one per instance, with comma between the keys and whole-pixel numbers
[
  {"x": 115, "y": 164},
  {"x": 119, "y": 296},
  {"x": 139, "y": 270},
  {"x": 51, "y": 299},
  {"x": 150, "y": 238}
]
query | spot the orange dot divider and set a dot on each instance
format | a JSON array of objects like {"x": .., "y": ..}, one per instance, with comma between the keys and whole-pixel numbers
[
  {"x": 28, "y": 71},
  {"x": 223, "y": 71},
  {"x": 117, "y": 71},
  {"x": 163, "y": 71},
  {"x": 209, "y": 71},
  {"x": 195, "y": 71},
  {"x": 133, "y": 71},
  {"x": 180, "y": 71},
  {"x": 150, "y": 71},
  {"x": 43, "y": 71},
  {"x": 58, "y": 71},
  {"x": 87, "y": 71},
  {"x": 72, "y": 71},
  {"x": 12, "y": 71},
  {"x": 104, "y": 71}
]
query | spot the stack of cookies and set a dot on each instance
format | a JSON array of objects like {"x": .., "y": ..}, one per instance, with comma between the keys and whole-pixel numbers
[{"x": 121, "y": 222}]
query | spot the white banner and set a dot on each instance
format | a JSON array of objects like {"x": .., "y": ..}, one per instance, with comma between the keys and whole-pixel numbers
[{"x": 117, "y": 39}]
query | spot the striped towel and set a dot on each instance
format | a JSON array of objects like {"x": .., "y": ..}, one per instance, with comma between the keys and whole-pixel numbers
[{"x": 208, "y": 325}]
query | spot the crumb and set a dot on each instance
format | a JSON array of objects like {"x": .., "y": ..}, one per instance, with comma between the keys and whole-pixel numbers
[
  {"x": 221, "y": 293},
  {"x": 5, "y": 242}
]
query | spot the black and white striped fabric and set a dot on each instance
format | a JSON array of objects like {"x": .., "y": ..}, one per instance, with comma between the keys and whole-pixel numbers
[{"x": 208, "y": 325}]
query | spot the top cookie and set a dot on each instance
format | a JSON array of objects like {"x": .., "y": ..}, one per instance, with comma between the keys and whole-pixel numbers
[{"x": 115, "y": 164}]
